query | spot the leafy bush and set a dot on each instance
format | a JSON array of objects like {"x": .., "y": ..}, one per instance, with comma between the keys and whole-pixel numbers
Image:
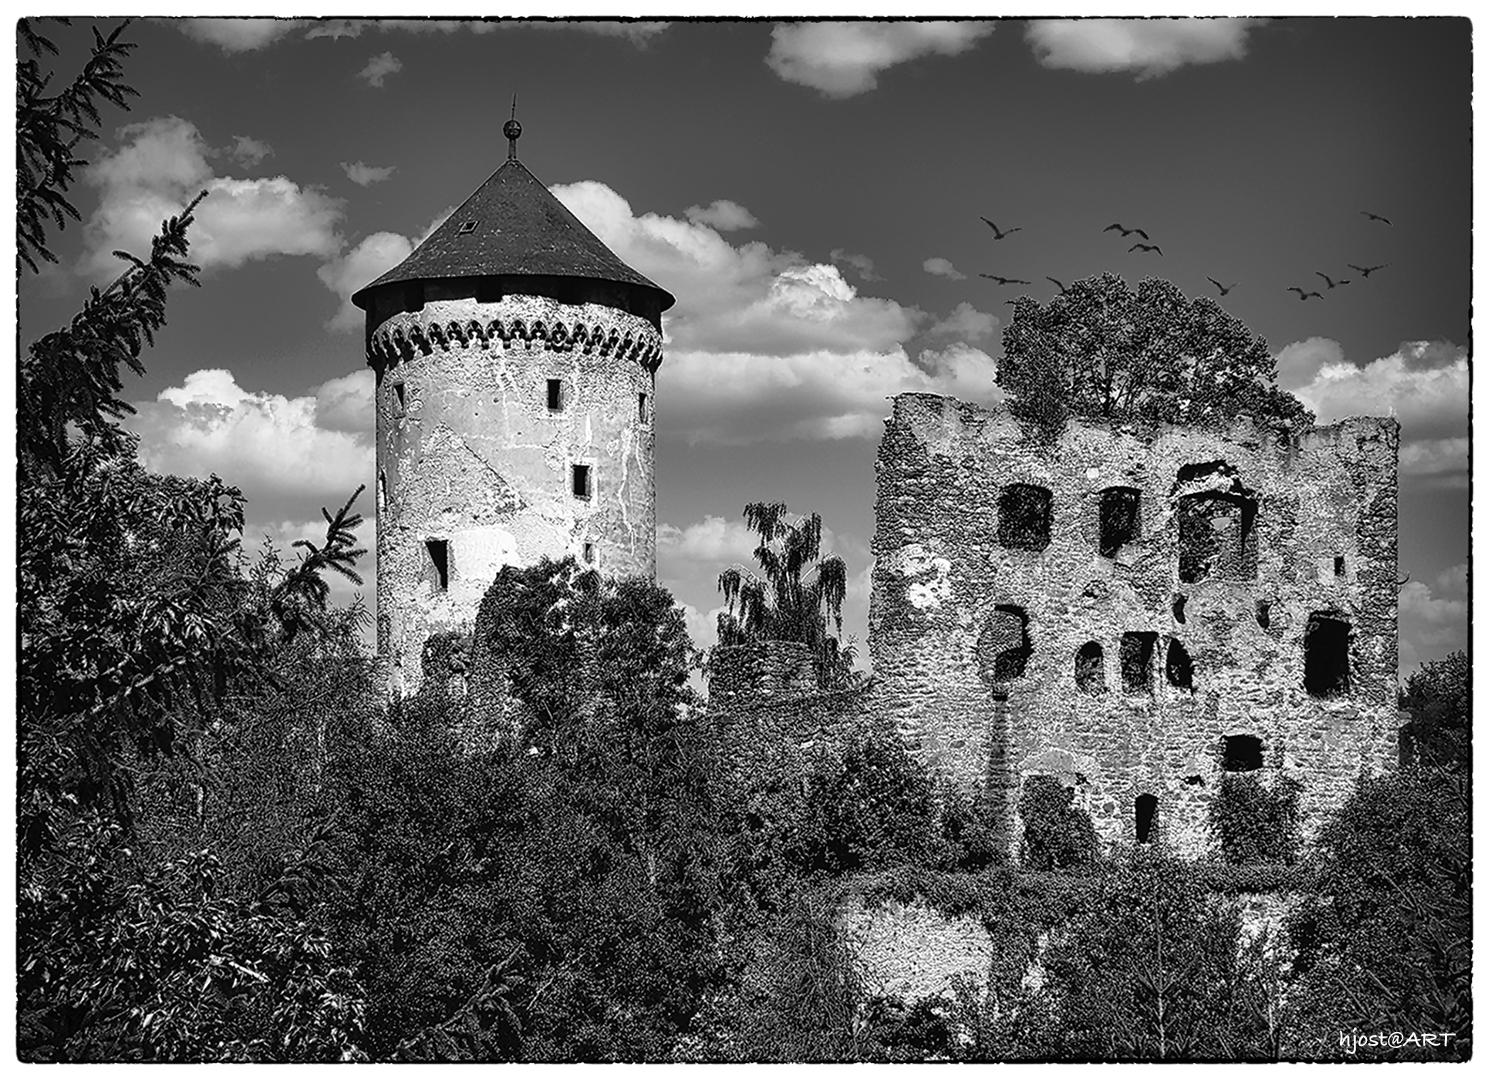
[
  {"x": 873, "y": 807},
  {"x": 1057, "y": 836},
  {"x": 971, "y": 828},
  {"x": 1256, "y": 824},
  {"x": 1437, "y": 696}
]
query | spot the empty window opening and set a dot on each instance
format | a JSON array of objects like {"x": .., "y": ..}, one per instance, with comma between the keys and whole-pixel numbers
[
  {"x": 1147, "y": 814},
  {"x": 641, "y": 407},
  {"x": 1264, "y": 613},
  {"x": 1326, "y": 656},
  {"x": 1119, "y": 519},
  {"x": 1216, "y": 536},
  {"x": 1090, "y": 668},
  {"x": 1179, "y": 667},
  {"x": 1338, "y": 565},
  {"x": 1240, "y": 753},
  {"x": 438, "y": 564},
  {"x": 581, "y": 482},
  {"x": 1024, "y": 517},
  {"x": 589, "y": 553},
  {"x": 382, "y": 490},
  {"x": 555, "y": 395},
  {"x": 1136, "y": 659},
  {"x": 1003, "y": 647},
  {"x": 1179, "y": 600},
  {"x": 466, "y": 227},
  {"x": 400, "y": 402}
]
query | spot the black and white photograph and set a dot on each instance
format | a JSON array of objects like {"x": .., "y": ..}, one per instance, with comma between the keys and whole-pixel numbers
[{"x": 694, "y": 540}]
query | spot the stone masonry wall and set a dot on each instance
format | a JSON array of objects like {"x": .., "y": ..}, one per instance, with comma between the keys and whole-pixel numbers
[
  {"x": 470, "y": 455},
  {"x": 1293, "y": 526}
]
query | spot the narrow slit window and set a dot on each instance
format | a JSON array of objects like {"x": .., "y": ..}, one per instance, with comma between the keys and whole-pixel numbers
[
  {"x": 1147, "y": 816},
  {"x": 1338, "y": 565},
  {"x": 555, "y": 395},
  {"x": 1264, "y": 613},
  {"x": 581, "y": 481},
  {"x": 641, "y": 407},
  {"x": 438, "y": 565},
  {"x": 382, "y": 491},
  {"x": 400, "y": 400},
  {"x": 589, "y": 553}
]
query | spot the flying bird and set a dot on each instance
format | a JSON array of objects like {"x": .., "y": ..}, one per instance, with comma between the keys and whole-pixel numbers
[
  {"x": 1366, "y": 271},
  {"x": 1006, "y": 280},
  {"x": 999, "y": 234},
  {"x": 1145, "y": 247},
  {"x": 1376, "y": 217},
  {"x": 1302, "y": 295},
  {"x": 1330, "y": 282},
  {"x": 1058, "y": 284},
  {"x": 1125, "y": 231},
  {"x": 1223, "y": 288}
]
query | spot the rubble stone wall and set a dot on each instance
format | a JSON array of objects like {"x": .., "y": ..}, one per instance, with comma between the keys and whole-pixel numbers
[{"x": 975, "y": 628}]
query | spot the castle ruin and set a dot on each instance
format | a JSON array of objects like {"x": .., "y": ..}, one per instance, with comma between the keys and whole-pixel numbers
[{"x": 1137, "y": 611}]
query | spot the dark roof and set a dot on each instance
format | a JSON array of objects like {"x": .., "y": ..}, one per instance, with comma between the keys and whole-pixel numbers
[{"x": 520, "y": 228}]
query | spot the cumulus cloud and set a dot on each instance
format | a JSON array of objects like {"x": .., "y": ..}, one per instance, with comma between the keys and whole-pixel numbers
[
  {"x": 161, "y": 167},
  {"x": 1433, "y": 618},
  {"x": 365, "y": 175},
  {"x": 380, "y": 67},
  {"x": 639, "y": 32},
  {"x": 966, "y": 323},
  {"x": 862, "y": 265},
  {"x": 1147, "y": 46},
  {"x": 374, "y": 256},
  {"x": 265, "y": 443},
  {"x": 942, "y": 268},
  {"x": 248, "y": 152},
  {"x": 238, "y": 35},
  {"x": 723, "y": 215},
  {"x": 714, "y": 540},
  {"x": 845, "y": 58}
]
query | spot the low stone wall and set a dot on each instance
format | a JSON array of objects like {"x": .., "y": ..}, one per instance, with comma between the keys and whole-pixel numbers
[{"x": 911, "y": 951}]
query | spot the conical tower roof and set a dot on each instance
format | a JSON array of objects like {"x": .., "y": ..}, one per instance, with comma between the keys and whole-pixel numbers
[{"x": 512, "y": 225}]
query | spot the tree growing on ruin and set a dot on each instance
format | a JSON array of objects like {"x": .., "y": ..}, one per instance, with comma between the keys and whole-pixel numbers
[
  {"x": 801, "y": 590},
  {"x": 1103, "y": 350}
]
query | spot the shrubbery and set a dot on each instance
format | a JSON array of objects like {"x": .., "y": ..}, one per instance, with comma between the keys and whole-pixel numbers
[
  {"x": 1057, "y": 836},
  {"x": 1254, "y": 823}
]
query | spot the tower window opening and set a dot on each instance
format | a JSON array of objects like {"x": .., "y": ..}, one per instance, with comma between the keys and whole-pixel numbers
[
  {"x": 1240, "y": 753},
  {"x": 1326, "y": 656},
  {"x": 1264, "y": 613},
  {"x": 466, "y": 227},
  {"x": 438, "y": 563},
  {"x": 1119, "y": 519},
  {"x": 1136, "y": 658},
  {"x": 1147, "y": 814},
  {"x": 1024, "y": 517},
  {"x": 555, "y": 395},
  {"x": 400, "y": 400},
  {"x": 581, "y": 481},
  {"x": 1179, "y": 667},
  {"x": 1216, "y": 536},
  {"x": 641, "y": 407},
  {"x": 589, "y": 553},
  {"x": 1090, "y": 668},
  {"x": 1338, "y": 565},
  {"x": 382, "y": 490},
  {"x": 1003, "y": 647}
]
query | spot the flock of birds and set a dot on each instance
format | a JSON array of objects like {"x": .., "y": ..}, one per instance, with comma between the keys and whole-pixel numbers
[{"x": 1330, "y": 283}]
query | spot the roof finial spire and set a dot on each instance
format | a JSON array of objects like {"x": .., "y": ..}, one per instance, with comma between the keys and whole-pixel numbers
[{"x": 513, "y": 131}]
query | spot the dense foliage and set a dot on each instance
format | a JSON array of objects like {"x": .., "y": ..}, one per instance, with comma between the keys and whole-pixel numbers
[
  {"x": 1057, "y": 834},
  {"x": 1101, "y": 350},
  {"x": 1437, "y": 697},
  {"x": 1255, "y": 823}
]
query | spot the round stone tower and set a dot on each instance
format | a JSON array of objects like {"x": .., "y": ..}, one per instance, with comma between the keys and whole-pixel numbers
[{"x": 516, "y": 358}]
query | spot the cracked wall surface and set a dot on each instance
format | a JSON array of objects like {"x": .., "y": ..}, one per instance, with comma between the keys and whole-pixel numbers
[
  {"x": 471, "y": 456},
  {"x": 1237, "y": 541}
]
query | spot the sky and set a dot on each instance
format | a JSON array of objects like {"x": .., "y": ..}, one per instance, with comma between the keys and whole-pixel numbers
[{"x": 812, "y": 194}]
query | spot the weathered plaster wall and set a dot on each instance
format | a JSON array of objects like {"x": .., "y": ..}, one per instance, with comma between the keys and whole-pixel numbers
[
  {"x": 941, "y": 573},
  {"x": 911, "y": 951},
  {"x": 469, "y": 453}
]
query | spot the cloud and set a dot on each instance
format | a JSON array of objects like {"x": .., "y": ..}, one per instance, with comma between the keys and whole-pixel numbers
[
  {"x": 638, "y": 32},
  {"x": 161, "y": 167},
  {"x": 365, "y": 175},
  {"x": 1433, "y": 619},
  {"x": 248, "y": 152},
  {"x": 862, "y": 265},
  {"x": 1147, "y": 46},
  {"x": 845, "y": 58},
  {"x": 722, "y": 214},
  {"x": 966, "y": 323},
  {"x": 237, "y": 35},
  {"x": 346, "y": 403},
  {"x": 380, "y": 67},
  {"x": 943, "y": 268},
  {"x": 265, "y": 443},
  {"x": 703, "y": 626},
  {"x": 374, "y": 256},
  {"x": 714, "y": 541}
]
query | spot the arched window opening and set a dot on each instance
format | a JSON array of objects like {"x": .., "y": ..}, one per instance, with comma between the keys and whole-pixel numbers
[
  {"x": 1147, "y": 815},
  {"x": 1119, "y": 519},
  {"x": 1216, "y": 536},
  {"x": 1090, "y": 668},
  {"x": 1004, "y": 648},
  {"x": 1326, "y": 656},
  {"x": 1024, "y": 517},
  {"x": 1178, "y": 666}
]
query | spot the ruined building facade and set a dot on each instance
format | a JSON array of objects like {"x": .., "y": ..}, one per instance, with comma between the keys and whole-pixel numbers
[
  {"x": 1137, "y": 611},
  {"x": 516, "y": 358}
]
